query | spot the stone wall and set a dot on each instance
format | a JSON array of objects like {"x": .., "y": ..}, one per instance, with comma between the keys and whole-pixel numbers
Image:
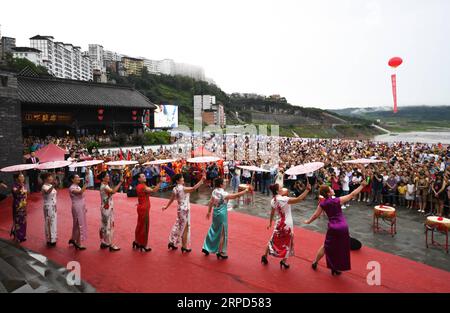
[{"x": 11, "y": 144}]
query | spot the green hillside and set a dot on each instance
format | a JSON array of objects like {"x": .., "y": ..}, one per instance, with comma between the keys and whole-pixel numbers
[{"x": 305, "y": 122}]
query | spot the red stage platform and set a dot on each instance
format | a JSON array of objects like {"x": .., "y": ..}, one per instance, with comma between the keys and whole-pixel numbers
[{"x": 170, "y": 271}]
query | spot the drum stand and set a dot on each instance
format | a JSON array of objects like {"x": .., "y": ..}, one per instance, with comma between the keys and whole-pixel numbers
[
  {"x": 391, "y": 221},
  {"x": 432, "y": 229}
]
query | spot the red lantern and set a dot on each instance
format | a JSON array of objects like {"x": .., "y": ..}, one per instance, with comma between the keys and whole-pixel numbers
[
  {"x": 395, "y": 62},
  {"x": 100, "y": 117},
  {"x": 134, "y": 118},
  {"x": 100, "y": 111},
  {"x": 134, "y": 112}
]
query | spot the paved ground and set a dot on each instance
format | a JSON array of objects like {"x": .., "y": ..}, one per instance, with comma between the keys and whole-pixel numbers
[{"x": 409, "y": 241}]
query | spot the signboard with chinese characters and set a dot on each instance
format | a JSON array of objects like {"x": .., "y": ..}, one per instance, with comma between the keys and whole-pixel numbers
[{"x": 47, "y": 117}]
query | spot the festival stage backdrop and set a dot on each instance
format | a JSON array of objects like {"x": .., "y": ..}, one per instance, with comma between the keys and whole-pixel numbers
[{"x": 165, "y": 116}]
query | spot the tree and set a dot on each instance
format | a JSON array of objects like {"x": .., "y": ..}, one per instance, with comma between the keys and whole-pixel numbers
[{"x": 18, "y": 64}]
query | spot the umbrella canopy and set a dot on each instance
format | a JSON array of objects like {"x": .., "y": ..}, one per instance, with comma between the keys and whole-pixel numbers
[
  {"x": 363, "y": 161},
  {"x": 201, "y": 151},
  {"x": 18, "y": 168},
  {"x": 206, "y": 159},
  {"x": 52, "y": 165},
  {"x": 253, "y": 168},
  {"x": 158, "y": 162},
  {"x": 50, "y": 152},
  {"x": 305, "y": 168},
  {"x": 121, "y": 163},
  {"x": 86, "y": 163}
]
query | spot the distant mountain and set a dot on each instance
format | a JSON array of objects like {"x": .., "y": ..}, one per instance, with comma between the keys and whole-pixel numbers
[{"x": 410, "y": 113}]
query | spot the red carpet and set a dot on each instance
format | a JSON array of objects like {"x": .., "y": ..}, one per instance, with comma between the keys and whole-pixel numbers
[{"x": 170, "y": 271}]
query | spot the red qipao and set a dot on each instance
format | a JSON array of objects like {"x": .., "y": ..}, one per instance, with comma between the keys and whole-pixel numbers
[{"x": 143, "y": 211}]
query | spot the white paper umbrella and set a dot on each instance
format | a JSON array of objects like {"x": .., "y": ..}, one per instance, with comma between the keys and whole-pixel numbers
[
  {"x": 86, "y": 163},
  {"x": 18, "y": 168},
  {"x": 157, "y": 162},
  {"x": 363, "y": 161},
  {"x": 305, "y": 168},
  {"x": 253, "y": 168},
  {"x": 206, "y": 159},
  {"x": 121, "y": 163},
  {"x": 53, "y": 164}
]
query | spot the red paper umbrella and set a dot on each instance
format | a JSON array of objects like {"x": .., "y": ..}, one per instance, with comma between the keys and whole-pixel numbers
[{"x": 395, "y": 62}]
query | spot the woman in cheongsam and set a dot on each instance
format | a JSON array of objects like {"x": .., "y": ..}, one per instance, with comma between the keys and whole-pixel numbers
[
  {"x": 143, "y": 211},
  {"x": 217, "y": 238},
  {"x": 281, "y": 244},
  {"x": 107, "y": 212},
  {"x": 19, "y": 208},
  {"x": 49, "y": 194},
  {"x": 79, "y": 226},
  {"x": 336, "y": 247},
  {"x": 181, "y": 230}
]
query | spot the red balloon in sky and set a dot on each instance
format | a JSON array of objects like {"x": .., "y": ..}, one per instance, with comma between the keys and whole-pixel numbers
[{"x": 395, "y": 62}]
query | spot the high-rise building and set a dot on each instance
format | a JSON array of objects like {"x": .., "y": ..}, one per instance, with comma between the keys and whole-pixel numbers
[
  {"x": 166, "y": 67},
  {"x": 205, "y": 107},
  {"x": 152, "y": 66},
  {"x": 62, "y": 60},
  {"x": 6, "y": 44},
  {"x": 96, "y": 55},
  {"x": 133, "y": 66}
]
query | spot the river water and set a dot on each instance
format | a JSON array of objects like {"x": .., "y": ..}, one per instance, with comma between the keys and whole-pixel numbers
[{"x": 420, "y": 137}]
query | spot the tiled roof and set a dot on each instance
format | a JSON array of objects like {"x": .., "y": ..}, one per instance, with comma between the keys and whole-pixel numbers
[{"x": 74, "y": 92}]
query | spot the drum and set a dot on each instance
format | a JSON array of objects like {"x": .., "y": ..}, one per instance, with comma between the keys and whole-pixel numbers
[
  {"x": 442, "y": 224},
  {"x": 242, "y": 187},
  {"x": 384, "y": 211},
  {"x": 247, "y": 198}
]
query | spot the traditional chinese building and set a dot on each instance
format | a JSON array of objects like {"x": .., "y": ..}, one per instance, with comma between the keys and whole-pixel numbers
[
  {"x": 40, "y": 106},
  {"x": 69, "y": 107}
]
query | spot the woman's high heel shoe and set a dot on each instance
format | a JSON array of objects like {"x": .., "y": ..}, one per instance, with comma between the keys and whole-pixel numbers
[
  {"x": 113, "y": 248},
  {"x": 206, "y": 252},
  {"x": 334, "y": 272},
  {"x": 145, "y": 249},
  {"x": 171, "y": 246},
  {"x": 314, "y": 266},
  {"x": 71, "y": 242},
  {"x": 135, "y": 245},
  {"x": 221, "y": 256},
  {"x": 284, "y": 265},
  {"x": 78, "y": 247},
  {"x": 264, "y": 260},
  {"x": 183, "y": 250},
  {"x": 104, "y": 246}
]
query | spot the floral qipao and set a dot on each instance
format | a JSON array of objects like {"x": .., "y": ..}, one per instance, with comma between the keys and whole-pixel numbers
[
  {"x": 107, "y": 215},
  {"x": 281, "y": 244},
  {"x": 19, "y": 228},
  {"x": 183, "y": 216},
  {"x": 50, "y": 216}
]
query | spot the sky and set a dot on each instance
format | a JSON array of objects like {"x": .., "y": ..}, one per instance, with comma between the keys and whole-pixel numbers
[{"x": 317, "y": 53}]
